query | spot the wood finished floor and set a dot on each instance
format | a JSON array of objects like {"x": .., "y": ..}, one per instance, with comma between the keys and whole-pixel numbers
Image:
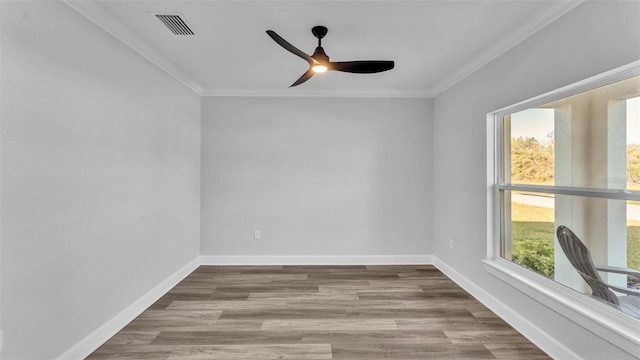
[{"x": 317, "y": 312}]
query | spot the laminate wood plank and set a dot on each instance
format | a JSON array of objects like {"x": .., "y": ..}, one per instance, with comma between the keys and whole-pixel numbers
[
  {"x": 285, "y": 313},
  {"x": 369, "y": 351},
  {"x": 170, "y": 297},
  {"x": 321, "y": 268},
  {"x": 469, "y": 323},
  {"x": 480, "y": 311},
  {"x": 422, "y": 275},
  {"x": 319, "y": 281},
  {"x": 426, "y": 268},
  {"x": 228, "y": 337},
  {"x": 412, "y": 295},
  {"x": 503, "y": 336},
  {"x": 510, "y": 351},
  {"x": 365, "y": 289},
  {"x": 448, "y": 303},
  {"x": 411, "y": 283},
  {"x": 192, "y": 288},
  {"x": 386, "y": 337},
  {"x": 134, "y": 352},
  {"x": 295, "y": 305},
  {"x": 266, "y": 288},
  {"x": 199, "y": 279},
  {"x": 301, "y": 296},
  {"x": 235, "y": 279},
  {"x": 356, "y": 275},
  {"x": 329, "y": 324},
  {"x": 135, "y": 337},
  {"x": 253, "y": 352},
  {"x": 227, "y": 305},
  {"x": 337, "y": 305},
  {"x": 445, "y": 293},
  {"x": 423, "y": 272},
  {"x": 450, "y": 314},
  {"x": 389, "y": 337},
  {"x": 151, "y": 319},
  {"x": 230, "y": 325},
  {"x": 216, "y": 269},
  {"x": 442, "y": 287},
  {"x": 180, "y": 315},
  {"x": 401, "y": 268},
  {"x": 155, "y": 324}
]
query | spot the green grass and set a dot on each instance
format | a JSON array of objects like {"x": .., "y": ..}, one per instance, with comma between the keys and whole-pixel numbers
[
  {"x": 526, "y": 230},
  {"x": 530, "y": 213},
  {"x": 537, "y": 223},
  {"x": 633, "y": 247}
]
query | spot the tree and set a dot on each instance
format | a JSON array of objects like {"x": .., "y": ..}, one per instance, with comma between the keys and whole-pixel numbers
[
  {"x": 633, "y": 164},
  {"x": 531, "y": 162}
]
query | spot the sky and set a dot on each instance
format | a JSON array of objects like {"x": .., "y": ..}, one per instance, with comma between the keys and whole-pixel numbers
[{"x": 537, "y": 123}]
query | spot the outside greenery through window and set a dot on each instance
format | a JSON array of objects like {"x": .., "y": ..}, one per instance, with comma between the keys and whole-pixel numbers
[{"x": 575, "y": 162}]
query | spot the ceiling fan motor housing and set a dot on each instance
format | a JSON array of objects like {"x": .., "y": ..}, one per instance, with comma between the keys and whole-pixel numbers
[{"x": 319, "y": 55}]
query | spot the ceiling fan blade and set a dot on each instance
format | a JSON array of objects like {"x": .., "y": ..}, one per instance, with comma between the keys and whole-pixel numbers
[
  {"x": 362, "y": 67},
  {"x": 306, "y": 76},
  {"x": 294, "y": 50}
]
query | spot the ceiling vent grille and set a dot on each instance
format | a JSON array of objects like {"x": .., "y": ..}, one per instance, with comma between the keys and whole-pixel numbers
[{"x": 175, "y": 23}]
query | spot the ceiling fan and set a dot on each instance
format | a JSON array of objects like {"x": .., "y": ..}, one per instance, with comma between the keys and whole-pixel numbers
[{"x": 319, "y": 61}]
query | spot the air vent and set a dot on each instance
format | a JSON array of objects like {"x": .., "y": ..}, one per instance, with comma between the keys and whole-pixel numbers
[{"x": 176, "y": 24}]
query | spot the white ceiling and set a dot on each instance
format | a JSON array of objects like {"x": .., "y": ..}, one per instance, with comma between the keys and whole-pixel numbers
[{"x": 434, "y": 43}]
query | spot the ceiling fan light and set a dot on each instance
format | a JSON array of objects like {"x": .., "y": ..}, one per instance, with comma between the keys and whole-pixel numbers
[{"x": 319, "y": 68}]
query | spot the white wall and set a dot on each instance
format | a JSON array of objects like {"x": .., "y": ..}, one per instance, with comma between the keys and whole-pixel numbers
[
  {"x": 593, "y": 38},
  {"x": 100, "y": 178},
  {"x": 317, "y": 176}
]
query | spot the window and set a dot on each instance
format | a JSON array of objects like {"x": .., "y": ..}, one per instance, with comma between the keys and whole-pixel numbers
[{"x": 570, "y": 158}]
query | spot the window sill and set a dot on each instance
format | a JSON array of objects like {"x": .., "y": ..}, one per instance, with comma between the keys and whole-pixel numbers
[{"x": 604, "y": 321}]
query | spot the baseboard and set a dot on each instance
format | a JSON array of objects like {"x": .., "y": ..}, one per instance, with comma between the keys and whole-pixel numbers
[
  {"x": 317, "y": 260},
  {"x": 87, "y": 345},
  {"x": 540, "y": 338}
]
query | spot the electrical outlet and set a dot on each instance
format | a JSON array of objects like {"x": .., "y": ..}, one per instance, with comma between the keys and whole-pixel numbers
[
  {"x": 450, "y": 243},
  {"x": 256, "y": 234}
]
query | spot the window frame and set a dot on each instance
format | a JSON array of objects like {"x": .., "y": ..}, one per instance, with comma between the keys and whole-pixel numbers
[{"x": 601, "y": 319}]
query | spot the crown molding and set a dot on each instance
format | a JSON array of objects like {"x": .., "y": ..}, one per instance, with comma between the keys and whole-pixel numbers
[
  {"x": 94, "y": 12},
  {"x": 504, "y": 44},
  {"x": 312, "y": 94}
]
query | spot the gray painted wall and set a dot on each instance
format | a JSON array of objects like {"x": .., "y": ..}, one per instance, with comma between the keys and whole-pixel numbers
[
  {"x": 317, "y": 176},
  {"x": 100, "y": 178},
  {"x": 593, "y": 38}
]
